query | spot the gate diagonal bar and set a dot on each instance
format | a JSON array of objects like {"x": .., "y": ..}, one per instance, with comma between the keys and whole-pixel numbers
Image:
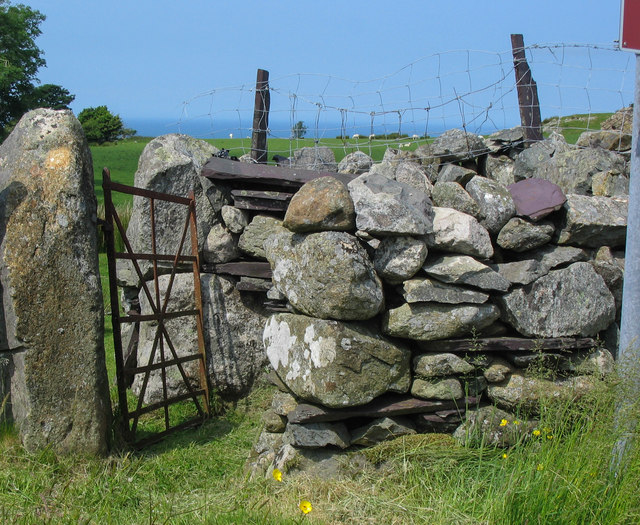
[{"x": 163, "y": 353}]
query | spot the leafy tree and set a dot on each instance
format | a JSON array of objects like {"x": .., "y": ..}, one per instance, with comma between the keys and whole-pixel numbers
[
  {"x": 50, "y": 96},
  {"x": 100, "y": 125},
  {"x": 20, "y": 60},
  {"x": 299, "y": 130}
]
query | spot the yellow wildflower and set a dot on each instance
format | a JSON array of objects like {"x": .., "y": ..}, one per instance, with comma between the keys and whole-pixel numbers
[
  {"x": 516, "y": 422},
  {"x": 277, "y": 474},
  {"x": 305, "y": 506},
  {"x": 504, "y": 423},
  {"x": 549, "y": 436},
  {"x": 536, "y": 432},
  {"x": 505, "y": 455},
  {"x": 540, "y": 466}
]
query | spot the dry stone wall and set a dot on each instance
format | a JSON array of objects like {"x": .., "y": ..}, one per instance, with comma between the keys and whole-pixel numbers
[
  {"x": 415, "y": 298},
  {"x": 462, "y": 297}
]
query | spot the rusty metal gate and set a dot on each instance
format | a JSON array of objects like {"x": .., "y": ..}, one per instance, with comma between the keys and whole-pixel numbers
[{"x": 163, "y": 353}]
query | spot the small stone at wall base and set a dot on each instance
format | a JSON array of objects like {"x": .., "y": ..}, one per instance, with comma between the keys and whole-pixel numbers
[
  {"x": 317, "y": 435},
  {"x": 382, "y": 430}
]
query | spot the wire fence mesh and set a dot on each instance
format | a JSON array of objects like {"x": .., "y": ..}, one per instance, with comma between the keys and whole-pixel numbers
[{"x": 473, "y": 90}]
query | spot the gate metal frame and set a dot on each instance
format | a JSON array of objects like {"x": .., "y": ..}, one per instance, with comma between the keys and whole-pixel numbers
[{"x": 160, "y": 315}]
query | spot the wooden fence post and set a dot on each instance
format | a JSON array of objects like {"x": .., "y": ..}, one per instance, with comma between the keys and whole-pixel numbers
[
  {"x": 527, "y": 92},
  {"x": 260, "y": 118}
]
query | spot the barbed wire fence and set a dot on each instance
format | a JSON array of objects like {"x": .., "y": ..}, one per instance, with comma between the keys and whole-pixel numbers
[{"x": 469, "y": 89}]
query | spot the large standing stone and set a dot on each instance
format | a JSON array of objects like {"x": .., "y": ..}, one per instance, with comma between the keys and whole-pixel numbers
[
  {"x": 317, "y": 158},
  {"x": 462, "y": 269},
  {"x": 5, "y": 386},
  {"x": 327, "y": 275},
  {"x": 457, "y": 232},
  {"x": 399, "y": 258},
  {"x": 568, "y": 302},
  {"x": 594, "y": 221},
  {"x": 388, "y": 207},
  {"x": 332, "y": 363},
  {"x": 431, "y": 321},
  {"x": 322, "y": 204},
  {"x": 168, "y": 164},
  {"x": 233, "y": 324},
  {"x": 52, "y": 309},
  {"x": 494, "y": 200}
]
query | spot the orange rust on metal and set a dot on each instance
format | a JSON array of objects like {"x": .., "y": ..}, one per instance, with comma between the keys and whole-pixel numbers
[{"x": 162, "y": 344}]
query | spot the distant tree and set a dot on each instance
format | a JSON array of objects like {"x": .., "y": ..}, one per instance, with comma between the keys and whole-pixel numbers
[
  {"x": 50, "y": 96},
  {"x": 299, "y": 130},
  {"x": 100, "y": 125},
  {"x": 20, "y": 60}
]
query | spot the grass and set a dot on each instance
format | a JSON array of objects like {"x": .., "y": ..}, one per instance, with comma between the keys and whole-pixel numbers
[
  {"x": 573, "y": 126},
  {"x": 559, "y": 477}
]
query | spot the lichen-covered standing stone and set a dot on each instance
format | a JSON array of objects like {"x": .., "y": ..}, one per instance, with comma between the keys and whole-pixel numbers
[{"x": 52, "y": 309}]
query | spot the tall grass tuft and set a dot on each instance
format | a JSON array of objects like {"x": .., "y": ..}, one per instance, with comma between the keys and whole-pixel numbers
[{"x": 124, "y": 211}]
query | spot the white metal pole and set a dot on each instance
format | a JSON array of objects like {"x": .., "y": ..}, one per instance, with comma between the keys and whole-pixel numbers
[{"x": 629, "y": 349}]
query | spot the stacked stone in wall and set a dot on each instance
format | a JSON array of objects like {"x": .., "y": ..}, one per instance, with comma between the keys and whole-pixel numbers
[
  {"x": 426, "y": 246},
  {"x": 467, "y": 239}
]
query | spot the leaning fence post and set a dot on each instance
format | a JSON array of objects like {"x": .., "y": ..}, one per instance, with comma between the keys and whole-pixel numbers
[
  {"x": 260, "y": 118},
  {"x": 527, "y": 92}
]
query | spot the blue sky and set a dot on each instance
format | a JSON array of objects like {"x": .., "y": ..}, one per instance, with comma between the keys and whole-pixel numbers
[{"x": 145, "y": 58}]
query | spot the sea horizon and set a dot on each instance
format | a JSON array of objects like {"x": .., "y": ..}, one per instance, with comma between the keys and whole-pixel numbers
[{"x": 209, "y": 128}]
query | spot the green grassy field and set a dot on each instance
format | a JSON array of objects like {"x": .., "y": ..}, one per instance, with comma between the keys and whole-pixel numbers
[
  {"x": 562, "y": 476},
  {"x": 122, "y": 158}
]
